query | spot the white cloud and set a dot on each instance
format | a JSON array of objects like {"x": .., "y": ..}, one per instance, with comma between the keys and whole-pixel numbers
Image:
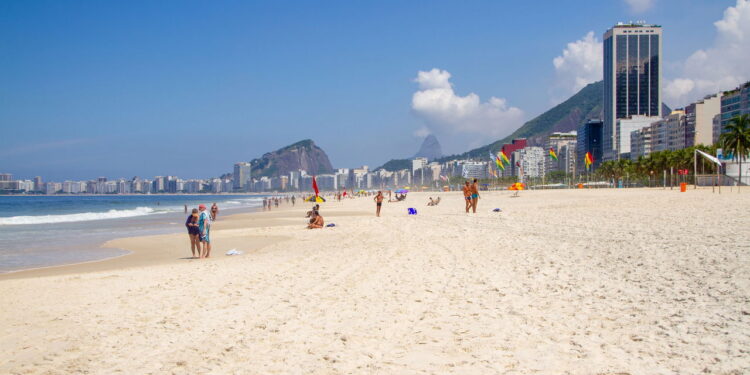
[
  {"x": 719, "y": 67},
  {"x": 640, "y": 6},
  {"x": 445, "y": 111},
  {"x": 579, "y": 65},
  {"x": 422, "y": 132}
]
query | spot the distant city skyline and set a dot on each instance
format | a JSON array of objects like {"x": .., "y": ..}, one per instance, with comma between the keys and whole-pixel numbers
[{"x": 144, "y": 89}]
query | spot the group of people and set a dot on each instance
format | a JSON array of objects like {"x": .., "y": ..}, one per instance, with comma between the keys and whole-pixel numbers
[
  {"x": 471, "y": 195},
  {"x": 269, "y": 202},
  {"x": 198, "y": 225}
]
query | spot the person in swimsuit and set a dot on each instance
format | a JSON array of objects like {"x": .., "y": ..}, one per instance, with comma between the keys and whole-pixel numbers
[
  {"x": 378, "y": 203},
  {"x": 474, "y": 195},
  {"x": 192, "y": 227},
  {"x": 317, "y": 222},
  {"x": 467, "y": 196},
  {"x": 214, "y": 211}
]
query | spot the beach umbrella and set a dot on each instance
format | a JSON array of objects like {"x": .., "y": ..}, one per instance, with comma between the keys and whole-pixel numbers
[
  {"x": 315, "y": 199},
  {"x": 402, "y": 191}
]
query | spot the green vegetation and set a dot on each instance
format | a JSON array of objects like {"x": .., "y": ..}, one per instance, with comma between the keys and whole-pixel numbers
[
  {"x": 736, "y": 140},
  {"x": 646, "y": 169},
  {"x": 585, "y": 104},
  {"x": 396, "y": 165}
]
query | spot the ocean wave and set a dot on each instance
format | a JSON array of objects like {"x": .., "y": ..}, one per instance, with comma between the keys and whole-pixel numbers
[{"x": 70, "y": 218}]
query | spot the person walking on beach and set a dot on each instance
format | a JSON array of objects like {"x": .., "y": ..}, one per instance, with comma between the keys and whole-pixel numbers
[
  {"x": 192, "y": 227},
  {"x": 214, "y": 211},
  {"x": 292, "y": 200},
  {"x": 474, "y": 195},
  {"x": 185, "y": 208},
  {"x": 204, "y": 226},
  {"x": 378, "y": 203},
  {"x": 467, "y": 195}
]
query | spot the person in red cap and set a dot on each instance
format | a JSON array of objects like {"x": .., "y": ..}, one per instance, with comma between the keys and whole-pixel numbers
[{"x": 204, "y": 227}]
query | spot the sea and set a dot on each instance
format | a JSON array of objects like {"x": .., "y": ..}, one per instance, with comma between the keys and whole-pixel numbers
[{"x": 42, "y": 231}]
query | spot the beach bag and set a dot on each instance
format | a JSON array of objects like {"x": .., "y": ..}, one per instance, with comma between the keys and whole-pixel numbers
[{"x": 412, "y": 211}]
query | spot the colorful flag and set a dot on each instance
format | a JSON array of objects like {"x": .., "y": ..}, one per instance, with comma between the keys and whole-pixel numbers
[
  {"x": 504, "y": 157},
  {"x": 589, "y": 159},
  {"x": 315, "y": 187},
  {"x": 552, "y": 154},
  {"x": 497, "y": 161}
]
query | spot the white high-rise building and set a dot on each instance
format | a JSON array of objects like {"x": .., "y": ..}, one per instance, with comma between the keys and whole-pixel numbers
[
  {"x": 241, "y": 175},
  {"x": 532, "y": 161}
]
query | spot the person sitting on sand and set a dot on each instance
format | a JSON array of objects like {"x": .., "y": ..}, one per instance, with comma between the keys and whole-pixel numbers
[
  {"x": 431, "y": 202},
  {"x": 214, "y": 211},
  {"x": 192, "y": 227},
  {"x": 317, "y": 222}
]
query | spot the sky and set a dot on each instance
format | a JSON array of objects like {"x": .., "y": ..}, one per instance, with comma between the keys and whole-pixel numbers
[{"x": 188, "y": 88}]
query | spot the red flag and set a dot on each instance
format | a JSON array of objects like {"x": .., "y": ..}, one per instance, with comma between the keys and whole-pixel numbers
[{"x": 315, "y": 187}]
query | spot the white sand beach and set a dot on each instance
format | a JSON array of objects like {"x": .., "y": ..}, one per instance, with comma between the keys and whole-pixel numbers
[{"x": 642, "y": 281}]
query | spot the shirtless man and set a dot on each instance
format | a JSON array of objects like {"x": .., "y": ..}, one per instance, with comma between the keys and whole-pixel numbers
[
  {"x": 378, "y": 203},
  {"x": 467, "y": 195},
  {"x": 318, "y": 222},
  {"x": 474, "y": 195}
]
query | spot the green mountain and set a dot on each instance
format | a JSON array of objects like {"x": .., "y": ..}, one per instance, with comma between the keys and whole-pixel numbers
[
  {"x": 563, "y": 117},
  {"x": 303, "y": 155}
]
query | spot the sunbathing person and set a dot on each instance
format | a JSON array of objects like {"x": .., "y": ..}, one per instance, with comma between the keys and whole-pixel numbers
[{"x": 317, "y": 222}]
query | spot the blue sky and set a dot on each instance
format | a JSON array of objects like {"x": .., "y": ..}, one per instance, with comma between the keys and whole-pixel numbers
[{"x": 91, "y": 88}]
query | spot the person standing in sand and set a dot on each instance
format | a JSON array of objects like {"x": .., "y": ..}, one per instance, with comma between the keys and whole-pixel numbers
[
  {"x": 192, "y": 227},
  {"x": 204, "y": 227},
  {"x": 467, "y": 195},
  {"x": 214, "y": 211},
  {"x": 474, "y": 195},
  {"x": 378, "y": 203}
]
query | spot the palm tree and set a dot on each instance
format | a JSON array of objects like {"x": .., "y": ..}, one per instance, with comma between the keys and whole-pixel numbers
[{"x": 736, "y": 139}]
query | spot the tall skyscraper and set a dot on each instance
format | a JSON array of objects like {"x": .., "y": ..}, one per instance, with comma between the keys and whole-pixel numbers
[
  {"x": 632, "y": 77},
  {"x": 241, "y": 175}
]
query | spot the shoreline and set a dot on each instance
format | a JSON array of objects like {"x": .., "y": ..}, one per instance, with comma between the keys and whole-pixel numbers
[
  {"x": 177, "y": 245},
  {"x": 136, "y": 253}
]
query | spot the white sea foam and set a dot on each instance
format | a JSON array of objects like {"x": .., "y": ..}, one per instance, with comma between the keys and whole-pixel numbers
[{"x": 69, "y": 218}]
